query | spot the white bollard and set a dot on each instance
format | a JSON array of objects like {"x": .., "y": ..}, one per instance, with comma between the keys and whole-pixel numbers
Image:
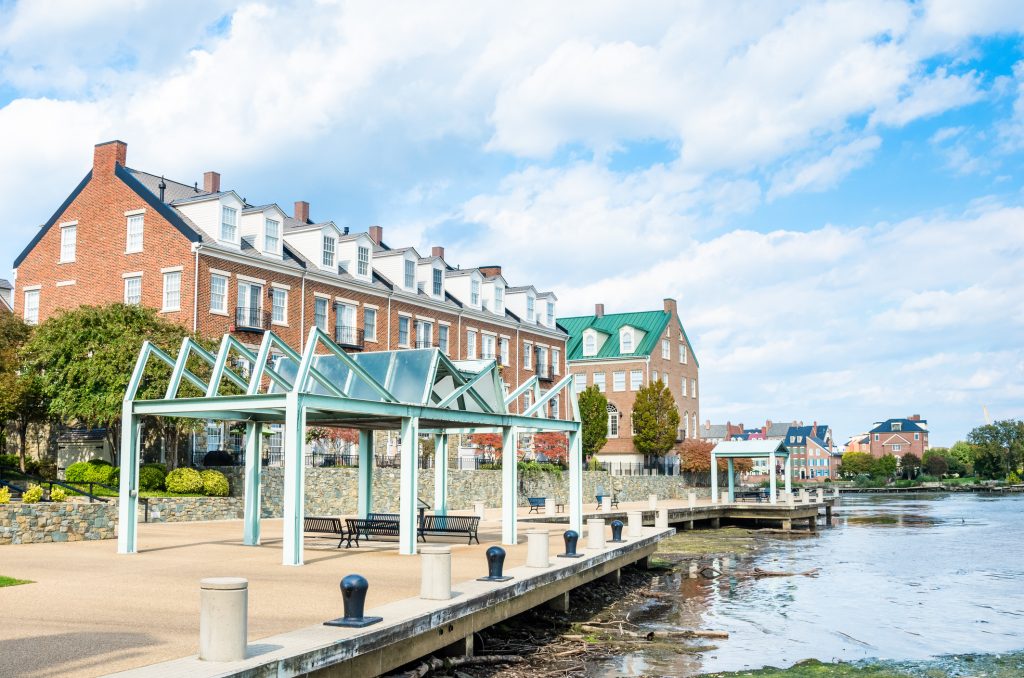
[
  {"x": 635, "y": 524},
  {"x": 819, "y": 495},
  {"x": 595, "y": 533},
  {"x": 804, "y": 497},
  {"x": 537, "y": 548},
  {"x": 662, "y": 519},
  {"x": 606, "y": 504},
  {"x": 549, "y": 507},
  {"x": 435, "y": 572},
  {"x": 223, "y": 618},
  {"x": 691, "y": 499},
  {"x": 725, "y": 496},
  {"x": 790, "y": 499},
  {"x": 652, "y": 501},
  {"x": 835, "y": 493},
  {"x": 478, "y": 509}
]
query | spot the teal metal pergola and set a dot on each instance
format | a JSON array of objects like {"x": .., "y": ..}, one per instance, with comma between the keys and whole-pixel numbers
[
  {"x": 412, "y": 391},
  {"x": 750, "y": 449}
]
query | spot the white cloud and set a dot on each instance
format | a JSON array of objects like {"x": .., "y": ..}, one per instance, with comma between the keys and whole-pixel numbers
[{"x": 826, "y": 172}]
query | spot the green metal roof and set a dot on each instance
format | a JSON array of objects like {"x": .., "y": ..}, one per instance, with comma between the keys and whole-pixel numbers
[{"x": 653, "y": 323}]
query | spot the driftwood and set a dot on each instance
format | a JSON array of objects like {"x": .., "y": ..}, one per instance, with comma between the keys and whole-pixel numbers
[
  {"x": 651, "y": 635},
  {"x": 758, "y": 572},
  {"x": 431, "y": 664}
]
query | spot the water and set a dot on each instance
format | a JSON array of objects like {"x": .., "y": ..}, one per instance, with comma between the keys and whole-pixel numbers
[{"x": 901, "y": 578}]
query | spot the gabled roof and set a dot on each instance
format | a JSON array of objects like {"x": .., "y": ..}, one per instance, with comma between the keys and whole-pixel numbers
[
  {"x": 651, "y": 322},
  {"x": 805, "y": 432},
  {"x": 906, "y": 425},
  {"x": 750, "y": 448},
  {"x": 5, "y": 284}
]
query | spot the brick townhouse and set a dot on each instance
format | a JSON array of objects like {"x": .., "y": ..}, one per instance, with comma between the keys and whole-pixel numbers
[
  {"x": 623, "y": 352},
  {"x": 899, "y": 436},
  {"x": 812, "y": 447},
  {"x": 206, "y": 258}
]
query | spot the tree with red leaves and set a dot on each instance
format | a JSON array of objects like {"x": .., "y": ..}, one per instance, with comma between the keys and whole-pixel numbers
[
  {"x": 554, "y": 446},
  {"x": 486, "y": 441},
  {"x": 695, "y": 457}
]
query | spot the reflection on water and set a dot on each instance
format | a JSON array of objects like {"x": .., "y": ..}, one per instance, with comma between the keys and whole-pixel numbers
[{"x": 900, "y": 578}]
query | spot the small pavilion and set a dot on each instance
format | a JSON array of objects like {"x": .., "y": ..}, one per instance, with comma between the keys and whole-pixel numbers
[
  {"x": 419, "y": 391},
  {"x": 750, "y": 449}
]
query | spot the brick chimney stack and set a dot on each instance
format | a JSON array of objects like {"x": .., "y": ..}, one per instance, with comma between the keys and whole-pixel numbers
[
  {"x": 814, "y": 430},
  {"x": 598, "y": 310},
  {"x": 107, "y": 155},
  {"x": 211, "y": 182},
  {"x": 302, "y": 211},
  {"x": 671, "y": 308},
  {"x": 728, "y": 430},
  {"x": 437, "y": 251},
  {"x": 914, "y": 417},
  {"x": 376, "y": 234},
  {"x": 490, "y": 271},
  {"x": 707, "y": 424}
]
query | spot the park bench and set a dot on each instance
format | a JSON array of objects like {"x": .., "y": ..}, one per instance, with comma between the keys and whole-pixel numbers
[
  {"x": 536, "y": 503},
  {"x": 614, "y": 498},
  {"x": 445, "y": 525},
  {"x": 324, "y": 525},
  {"x": 373, "y": 525},
  {"x": 756, "y": 495}
]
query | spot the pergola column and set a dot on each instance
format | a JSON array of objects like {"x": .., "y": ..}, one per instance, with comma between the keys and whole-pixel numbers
[
  {"x": 441, "y": 474},
  {"x": 128, "y": 506},
  {"x": 509, "y": 485},
  {"x": 364, "y": 503},
  {"x": 732, "y": 481},
  {"x": 253, "y": 438},
  {"x": 407, "y": 488},
  {"x": 294, "y": 478},
  {"x": 789, "y": 474},
  {"x": 714, "y": 478},
  {"x": 771, "y": 477},
  {"x": 576, "y": 481}
]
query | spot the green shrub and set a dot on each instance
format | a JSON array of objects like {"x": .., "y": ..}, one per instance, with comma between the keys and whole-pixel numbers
[
  {"x": 5, "y": 495},
  {"x": 184, "y": 481},
  {"x": 157, "y": 465},
  {"x": 76, "y": 472},
  {"x": 215, "y": 483},
  {"x": 92, "y": 471},
  {"x": 57, "y": 493},
  {"x": 1013, "y": 478},
  {"x": 152, "y": 476},
  {"x": 32, "y": 495}
]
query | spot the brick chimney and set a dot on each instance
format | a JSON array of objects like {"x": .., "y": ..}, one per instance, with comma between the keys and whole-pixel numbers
[
  {"x": 108, "y": 154},
  {"x": 728, "y": 430},
  {"x": 376, "y": 234},
  {"x": 598, "y": 310},
  {"x": 814, "y": 430},
  {"x": 211, "y": 182},
  {"x": 670, "y": 307},
  {"x": 437, "y": 251},
  {"x": 490, "y": 271},
  {"x": 707, "y": 424},
  {"x": 914, "y": 417},
  {"x": 302, "y": 211}
]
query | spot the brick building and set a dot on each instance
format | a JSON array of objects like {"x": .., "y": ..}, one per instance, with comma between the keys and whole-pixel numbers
[
  {"x": 209, "y": 260},
  {"x": 623, "y": 352},
  {"x": 812, "y": 448},
  {"x": 899, "y": 436}
]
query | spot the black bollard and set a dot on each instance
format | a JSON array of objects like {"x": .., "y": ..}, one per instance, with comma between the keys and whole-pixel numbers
[
  {"x": 616, "y": 533},
  {"x": 570, "y": 537},
  {"x": 353, "y": 592},
  {"x": 495, "y": 562}
]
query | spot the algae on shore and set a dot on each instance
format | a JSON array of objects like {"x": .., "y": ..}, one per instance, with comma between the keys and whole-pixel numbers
[
  {"x": 706, "y": 543},
  {"x": 990, "y": 666}
]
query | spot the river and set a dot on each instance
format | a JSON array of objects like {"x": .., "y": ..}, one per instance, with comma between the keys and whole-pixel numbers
[{"x": 900, "y": 578}]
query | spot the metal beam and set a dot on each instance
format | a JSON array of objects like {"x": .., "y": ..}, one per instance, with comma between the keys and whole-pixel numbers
[
  {"x": 552, "y": 392},
  {"x": 128, "y": 489},
  {"x": 467, "y": 389},
  {"x": 509, "y": 485},
  {"x": 365, "y": 497},
  {"x": 253, "y": 438},
  {"x": 576, "y": 481},
  {"x": 441, "y": 474},
  {"x": 294, "y": 471},
  {"x": 523, "y": 388},
  {"x": 407, "y": 488}
]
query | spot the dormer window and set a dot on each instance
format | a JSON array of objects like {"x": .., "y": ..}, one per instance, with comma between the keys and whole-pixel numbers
[
  {"x": 474, "y": 292},
  {"x": 229, "y": 224},
  {"x": 363, "y": 261},
  {"x": 438, "y": 282},
  {"x": 589, "y": 344},
  {"x": 410, "y": 274},
  {"x": 897, "y": 426},
  {"x": 530, "y": 311},
  {"x": 499, "y": 299},
  {"x": 328, "y": 257},
  {"x": 272, "y": 236},
  {"x": 550, "y": 319},
  {"x": 626, "y": 341}
]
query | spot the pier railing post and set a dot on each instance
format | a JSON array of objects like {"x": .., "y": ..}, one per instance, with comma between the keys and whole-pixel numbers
[
  {"x": 223, "y": 618},
  {"x": 436, "y": 572},
  {"x": 595, "y": 533},
  {"x": 537, "y": 542},
  {"x": 635, "y": 524}
]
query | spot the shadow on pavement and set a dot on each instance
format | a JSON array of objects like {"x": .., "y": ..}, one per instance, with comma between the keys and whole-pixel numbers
[{"x": 63, "y": 653}]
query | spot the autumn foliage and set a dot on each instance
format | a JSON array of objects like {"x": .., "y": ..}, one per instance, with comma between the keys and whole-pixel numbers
[
  {"x": 554, "y": 446},
  {"x": 695, "y": 457},
  {"x": 486, "y": 441}
]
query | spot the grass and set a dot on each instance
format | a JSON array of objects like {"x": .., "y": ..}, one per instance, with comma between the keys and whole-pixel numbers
[{"x": 11, "y": 581}]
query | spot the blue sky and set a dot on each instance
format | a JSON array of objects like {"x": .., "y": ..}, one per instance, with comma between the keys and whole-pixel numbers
[{"x": 832, "y": 190}]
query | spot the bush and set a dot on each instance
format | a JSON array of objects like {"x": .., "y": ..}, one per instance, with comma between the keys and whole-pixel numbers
[
  {"x": 92, "y": 471},
  {"x": 33, "y": 494},
  {"x": 215, "y": 484},
  {"x": 5, "y": 495},
  {"x": 218, "y": 458},
  {"x": 152, "y": 476},
  {"x": 184, "y": 481},
  {"x": 1013, "y": 478},
  {"x": 57, "y": 493},
  {"x": 156, "y": 465},
  {"x": 76, "y": 472}
]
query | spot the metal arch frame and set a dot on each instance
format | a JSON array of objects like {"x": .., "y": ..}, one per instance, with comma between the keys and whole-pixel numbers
[{"x": 295, "y": 405}]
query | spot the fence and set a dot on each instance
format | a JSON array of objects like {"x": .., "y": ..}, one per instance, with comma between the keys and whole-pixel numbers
[{"x": 660, "y": 468}]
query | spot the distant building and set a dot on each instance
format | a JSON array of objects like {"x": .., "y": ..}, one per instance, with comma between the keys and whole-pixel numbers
[
  {"x": 6, "y": 296},
  {"x": 858, "y": 443},
  {"x": 811, "y": 451},
  {"x": 899, "y": 436}
]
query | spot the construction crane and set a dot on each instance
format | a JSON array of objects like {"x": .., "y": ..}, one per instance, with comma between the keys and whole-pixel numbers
[{"x": 984, "y": 411}]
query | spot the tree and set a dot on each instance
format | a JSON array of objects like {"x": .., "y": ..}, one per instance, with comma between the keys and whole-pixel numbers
[
  {"x": 593, "y": 420},
  {"x": 335, "y": 440},
  {"x": 695, "y": 457},
  {"x": 963, "y": 452},
  {"x": 1002, "y": 441},
  {"x": 486, "y": 441},
  {"x": 87, "y": 356},
  {"x": 856, "y": 463},
  {"x": 21, "y": 388},
  {"x": 910, "y": 463},
  {"x": 554, "y": 446},
  {"x": 885, "y": 466},
  {"x": 935, "y": 462},
  {"x": 655, "y": 420}
]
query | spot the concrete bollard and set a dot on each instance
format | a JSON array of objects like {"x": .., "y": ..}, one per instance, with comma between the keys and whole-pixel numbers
[
  {"x": 571, "y": 537},
  {"x": 713, "y": 496},
  {"x": 537, "y": 548},
  {"x": 652, "y": 501},
  {"x": 353, "y": 593},
  {"x": 634, "y": 524},
  {"x": 606, "y": 504},
  {"x": 819, "y": 495},
  {"x": 790, "y": 499},
  {"x": 436, "y": 572},
  {"x": 725, "y": 496},
  {"x": 616, "y": 533},
  {"x": 691, "y": 500},
  {"x": 223, "y": 618},
  {"x": 662, "y": 519},
  {"x": 495, "y": 564},
  {"x": 549, "y": 507},
  {"x": 478, "y": 509},
  {"x": 804, "y": 496},
  {"x": 595, "y": 533}
]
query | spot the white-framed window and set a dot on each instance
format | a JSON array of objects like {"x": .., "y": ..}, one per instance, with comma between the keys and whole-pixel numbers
[
  {"x": 693, "y": 388},
  {"x": 876, "y": 437},
  {"x": 328, "y": 255},
  {"x": 403, "y": 330},
  {"x": 68, "y": 242},
  {"x": 556, "y": 361},
  {"x": 218, "y": 293},
  {"x": 474, "y": 292},
  {"x": 917, "y": 436},
  {"x": 599, "y": 381},
  {"x": 530, "y": 308},
  {"x": 682, "y": 354},
  {"x": 471, "y": 344},
  {"x": 363, "y": 261},
  {"x": 589, "y": 345},
  {"x": 487, "y": 346},
  {"x": 133, "y": 289},
  {"x": 527, "y": 356},
  {"x": 499, "y": 299},
  {"x": 636, "y": 380},
  {"x": 542, "y": 359},
  {"x": 370, "y": 324},
  {"x": 666, "y": 349},
  {"x": 897, "y": 426},
  {"x": 279, "y": 305},
  {"x": 410, "y": 274},
  {"x": 579, "y": 382},
  {"x": 654, "y": 376},
  {"x": 619, "y": 380},
  {"x": 527, "y": 400},
  {"x": 320, "y": 312},
  {"x": 229, "y": 224},
  {"x": 684, "y": 387},
  {"x": 613, "y": 421},
  {"x": 897, "y": 448},
  {"x": 438, "y": 282},
  {"x": 424, "y": 334},
  {"x": 626, "y": 341},
  {"x": 136, "y": 223},
  {"x": 272, "y": 236},
  {"x": 345, "y": 324},
  {"x": 172, "y": 291},
  {"x": 504, "y": 351},
  {"x": 250, "y": 305},
  {"x": 442, "y": 338},
  {"x": 32, "y": 307},
  {"x": 550, "y": 314}
]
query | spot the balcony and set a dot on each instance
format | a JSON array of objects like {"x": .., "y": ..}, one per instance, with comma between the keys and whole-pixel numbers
[
  {"x": 425, "y": 343},
  {"x": 488, "y": 355},
  {"x": 544, "y": 372},
  {"x": 251, "y": 319},
  {"x": 348, "y": 337}
]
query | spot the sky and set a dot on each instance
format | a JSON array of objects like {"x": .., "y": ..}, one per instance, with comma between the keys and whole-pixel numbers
[{"x": 832, "y": 190}]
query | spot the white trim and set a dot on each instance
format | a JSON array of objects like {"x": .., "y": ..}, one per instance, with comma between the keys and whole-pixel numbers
[
  {"x": 173, "y": 269},
  {"x": 215, "y": 312},
  {"x": 249, "y": 279},
  {"x": 65, "y": 283},
  {"x": 345, "y": 300},
  {"x": 280, "y": 286},
  {"x": 217, "y": 271},
  {"x": 404, "y": 314},
  {"x": 583, "y": 362},
  {"x": 31, "y": 288},
  {"x": 132, "y": 213},
  {"x": 321, "y": 295},
  {"x": 68, "y": 223},
  {"x": 133, "y": 274},
  {"x": 373, "y": 306},
  {"x": 439, "y": 322},
  {"x": 889, "y": 440}
]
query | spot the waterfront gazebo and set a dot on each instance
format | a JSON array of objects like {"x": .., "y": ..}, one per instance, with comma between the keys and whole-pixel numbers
[
  {"x": 750, "y": 449},
  {"x": 412, "y": 391}
]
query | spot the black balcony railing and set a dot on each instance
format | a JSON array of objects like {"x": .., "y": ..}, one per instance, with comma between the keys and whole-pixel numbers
[
  {"x": 424, "y": 343},
  {"x": 349, "y": 337},
  {"x": 251, "y": 318},
  {"x": 544, "y": 372}
]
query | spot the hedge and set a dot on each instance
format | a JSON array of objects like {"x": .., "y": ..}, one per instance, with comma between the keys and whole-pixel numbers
[
  {"x": 184, "y": 481},
  {"x": 152, "y": 477},
  {"x": 215, "y": 484}
]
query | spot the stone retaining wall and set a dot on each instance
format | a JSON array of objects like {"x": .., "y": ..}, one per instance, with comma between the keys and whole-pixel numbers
[
  {"x": 56, "y": 521},
  {"x": 187, "y": 509}
]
